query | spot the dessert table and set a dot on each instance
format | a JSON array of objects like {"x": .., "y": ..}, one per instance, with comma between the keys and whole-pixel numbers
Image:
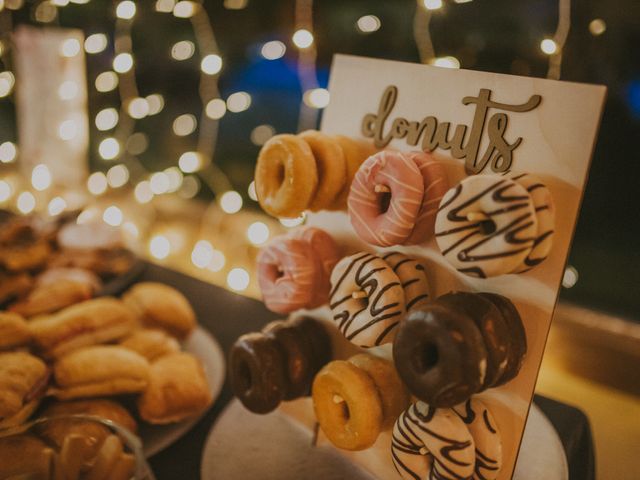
[{"x": 227, "y": 315}]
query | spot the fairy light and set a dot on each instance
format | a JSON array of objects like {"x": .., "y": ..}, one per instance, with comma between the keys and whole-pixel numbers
[
  {"x": 190, "y": 162},
  {"x": 316, "y": 98},
  {"x": 293, "y": 222},
  {"x": 68, "y": 90},
  {"x": 258, "y": 233},
  {"x": 159, "y": 247},
  {"x": 238, "y": 102},
  {"x": 238, "y": 279},
  {"x": 13, "y": 4},
  {"x": 60, "y": 3},
  {"x": 185, "y": 125},
  {"x": 185, "y": 9},
  {"x": 211, "y": 64},
  {"x": 155, "y": 102},
  {"x": 216, "y": 108},
  {"x": 126, "y": 10},
  {"x": 261, "y": 134},
  {"x": 570, "y": 277},
  {"x": 175, "y": 178},
  {"x": 8, "y": 152},
  {"x": 137, "y": 143},
  {"x": 68, "y": 129},
  {"x": 143, "y": 193},
  {"x": 45, "y": 12},
  {"x": 446, "y": 62},
  {"x": 548, "y": 46},
  {"x": 7, "y": 81},
  {"x": 432, "y": 4},
  {"x": 273, "y": 50},
  {"x": 302, "y": 38},
  {"x": 106, "y": 81},
  {"x": 165, "y": 6},
  {"x": 231, "y": 202},
  {"x": 217, "y": 262},
  {"x": 597, "y": 27},
  {"x": 41, "y": 177},
  {"x": 159, "y": 183},
  {"x": 26, "y": 202},
  {"x": 112, "y": 216},
  {"x": 368, "y": 24},
  {"x": 138, "y": 108},
  {"x": 131, "y": 229},
  {"x": 117, "y": 176},
  {"x": 235, "y": 4},
  {"x": 106, "y": 119},
  {"x": 183, "y": 50},
  {"x": 95, "y": 43},
  {"x": 97, "y": 183},
  {"x": 70, "y": 47},
  {"x": 109, "y": 148},
  {"x": 56, "y": 206},
  {"x": 5, "y": 191},
  {"x": 88, "y": 215},
  {"x": 251, "y": 191},
  {"x": 123, "y": 62},
  {"x": 202, "y": 253},
  {"x": 190, "y": 187}
]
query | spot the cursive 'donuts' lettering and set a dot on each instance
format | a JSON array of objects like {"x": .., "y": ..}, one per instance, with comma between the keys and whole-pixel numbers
[{"x": 464, "y": 142}]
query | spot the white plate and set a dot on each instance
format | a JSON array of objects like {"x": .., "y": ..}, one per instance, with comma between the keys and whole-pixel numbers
[
  {"x": 200, "y": 343},
  {"x": 243, "y": 445}
]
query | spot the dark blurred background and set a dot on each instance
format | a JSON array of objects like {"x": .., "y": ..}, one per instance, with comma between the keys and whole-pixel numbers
[{"x": 490, "y": 35}]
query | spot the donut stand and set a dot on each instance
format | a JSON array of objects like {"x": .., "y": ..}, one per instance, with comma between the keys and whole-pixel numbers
[{"x": 556, "y": 124}]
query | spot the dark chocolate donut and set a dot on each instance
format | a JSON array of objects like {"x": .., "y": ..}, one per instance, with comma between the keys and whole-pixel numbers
[
  {"x": 517, "y": 335},
  {"x": 493, "y": 328},
  {"x": 257, "y": 371},
  {"x": 440, "y": 355},
  {"x": 298, "y": 357},
  {"x": 319, "y": 339}
]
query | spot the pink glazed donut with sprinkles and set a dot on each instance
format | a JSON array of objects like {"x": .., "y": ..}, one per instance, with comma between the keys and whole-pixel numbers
[
  {"x": 385, "y": 198},
  {"x": 288, "y": 273}
]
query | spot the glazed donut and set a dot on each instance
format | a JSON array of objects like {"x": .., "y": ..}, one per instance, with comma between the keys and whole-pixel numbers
[
  {"x": 517, "y": 336},
  {"x": 355, "y": 153},
  {"x": 298, "y": 357},
  {"x": 486, "y": 437},
  {"x": 331, "y": 165},
  {"x": 546, "y": 215},
  {"x": 413, "y": 277},
  {"x": 366, "y": 299},
  {"x": 440, "y": 355},
  {"x": 432, "y": 443},
  {"x": 436, "y": 184},
  {"x": 327, "y": 251},
  {"x": 288, "y": 273},
  {"x": 492, "y": 326},
  {"x": 347, "y": 405},
  {"x": 286, "y": 176},
  {"x": 257, "y": 372},
  {"x": 486, "y": 225},
  {"x": 385, "y": 198},
  {"x": 394, "y": 396}
]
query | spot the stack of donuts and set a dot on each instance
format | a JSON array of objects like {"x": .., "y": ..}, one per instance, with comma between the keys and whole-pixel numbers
[{"x": 308, "y": 171}]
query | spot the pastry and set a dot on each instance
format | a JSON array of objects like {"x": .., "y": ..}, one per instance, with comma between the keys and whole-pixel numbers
[
  {"x": 23, "y": 381},
  {"x": 286, "y": 176},
  {"x": 79, "y": 275},
  {"x": 14, "y": 285},
  {"x": 331, "y": 167},
  {"x": 326, "y": 250},
  {"x": 289, "y": 273},
  {"x": 432, "y": 443},
  {"x": 25, "y": 255},
  {"x": 440, "y": 355},
  {"x": 160, "y": 306},
  {"x": 486, "y": 438},
  {"x": 436, "y": 184},
  {"x": 516, "y": 337},
  {"x": 91, "y": 322},
  {"x": 99, "y": 371},
  {"x": 89, "y": 236},
  {"x": 347, "y": 405},
  {"x": 14, "y": 331},
  {"x": 492, "y": 327},
  {"x": 177, "y": 390},
  {"x": 367, "y": 300},
  {"x": 413, "y": 277},
  {"x": 25, "y": 457},
  {"x": 356, "y": 151},
  {"x": 545, "y": 214},
  {"x": 486, "y": 225},
  {"x": 51, "y": 297},
  {"x": 151, "y": 343},
  {"x": 257, "y": 372},
  {"x": 385, "y": 198}
]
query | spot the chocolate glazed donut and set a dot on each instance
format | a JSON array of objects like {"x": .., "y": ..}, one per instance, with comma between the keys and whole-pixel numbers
[
  {"x": 321, "y": 349},
  {"x": 298, "y": 357},
  {"x": 440, "y": 355},
  {"x": 492, "y": 326},
  {"x": 516, "y": 335},
  {"x": 257, "y": 372}
]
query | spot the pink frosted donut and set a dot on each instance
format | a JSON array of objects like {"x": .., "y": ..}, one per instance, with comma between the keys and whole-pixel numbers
[
  {"x": 288, "y": 274},
  {"x": 327, "y": 251},
  {"x": 385, "y": 198},
  {"x": 435, "y": 184}
]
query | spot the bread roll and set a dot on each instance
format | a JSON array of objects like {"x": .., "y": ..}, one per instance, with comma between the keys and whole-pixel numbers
[
  {"x": 14, "y": 331},
  {"x": 151, "y": 344},
  {"x": 23, "y": 380}
]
